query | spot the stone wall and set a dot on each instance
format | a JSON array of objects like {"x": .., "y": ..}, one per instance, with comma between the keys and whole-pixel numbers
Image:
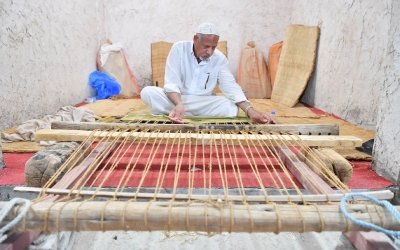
[
  {"x": 137, "y": 25},
  {"x": 47, "y": 51},
  {"x": 349, "y": 75},
  {"x": 386, "y": 149}
]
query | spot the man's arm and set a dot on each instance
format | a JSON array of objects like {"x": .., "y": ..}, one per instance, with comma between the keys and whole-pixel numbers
[
  {"x": 176, "y": 115},
  {"x": 232, "y": 90},
  {"x": 255, "y": 115}
]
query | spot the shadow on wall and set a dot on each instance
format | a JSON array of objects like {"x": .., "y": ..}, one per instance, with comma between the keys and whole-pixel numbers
[{"x": 308, "y": 95}]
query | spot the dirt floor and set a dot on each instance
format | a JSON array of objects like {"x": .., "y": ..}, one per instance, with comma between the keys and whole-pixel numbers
[{"x": 192, "y": 240}]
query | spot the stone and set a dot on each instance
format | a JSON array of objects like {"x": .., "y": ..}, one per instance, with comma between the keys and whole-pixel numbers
[{"x": 41, "y": 167}]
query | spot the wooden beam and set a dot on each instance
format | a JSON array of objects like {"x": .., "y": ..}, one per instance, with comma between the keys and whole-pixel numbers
[
  {"x": 145, "y": 216},
  {"x": 302, "y": 129},
  {"x": 80, "y": 135},
  {"x": 310, "y": 180},
  {"x": 69, "y": 179},
  {"x": 380, "y": 195}
]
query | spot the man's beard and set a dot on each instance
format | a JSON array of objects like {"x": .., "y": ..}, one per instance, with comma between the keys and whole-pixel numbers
[{"x": 205, "y": 57}]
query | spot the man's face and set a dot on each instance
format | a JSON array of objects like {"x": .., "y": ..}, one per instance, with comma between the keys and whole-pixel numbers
[{"x": 205, "y": 45}]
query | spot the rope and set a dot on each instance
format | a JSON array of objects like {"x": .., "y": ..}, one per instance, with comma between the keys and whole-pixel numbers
[
  {"x": 383, "y": 203},
  {"x": 10, "y": 205}
]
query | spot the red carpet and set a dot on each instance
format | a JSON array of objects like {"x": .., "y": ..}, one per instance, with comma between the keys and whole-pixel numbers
[
  {"x": 363, "y": 176},
  {"x": 13, "y": 172},
  {"x": 269, "y": 170}
]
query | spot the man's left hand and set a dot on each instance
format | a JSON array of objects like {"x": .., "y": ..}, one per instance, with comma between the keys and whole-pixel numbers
[{"x": 260, "y": 117}]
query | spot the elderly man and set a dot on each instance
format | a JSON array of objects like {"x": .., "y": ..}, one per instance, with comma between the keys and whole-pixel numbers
[{"x": 191, "y": 74}]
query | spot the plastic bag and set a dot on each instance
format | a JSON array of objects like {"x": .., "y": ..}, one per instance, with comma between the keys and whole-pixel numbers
[{"x": 106, "y": 85}]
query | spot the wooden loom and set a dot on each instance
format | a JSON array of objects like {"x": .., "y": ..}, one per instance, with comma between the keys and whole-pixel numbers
[{"x": 248, "y": 155}]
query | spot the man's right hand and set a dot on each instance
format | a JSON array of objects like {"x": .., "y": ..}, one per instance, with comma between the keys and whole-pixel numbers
[{"x": 176, "y": 115}]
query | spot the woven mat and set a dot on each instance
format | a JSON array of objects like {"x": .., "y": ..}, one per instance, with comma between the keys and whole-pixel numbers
[
  {"x": 159, "y": 54},
  {"x": 296, "y": 63},
  {"x": 21, "y": 147},
  {"x": 115, "y": 108},
  {"x": 299, "y": 114}
]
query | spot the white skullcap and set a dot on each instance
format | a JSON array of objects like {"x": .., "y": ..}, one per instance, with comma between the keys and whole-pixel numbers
[{"x": 207, "y": 29}]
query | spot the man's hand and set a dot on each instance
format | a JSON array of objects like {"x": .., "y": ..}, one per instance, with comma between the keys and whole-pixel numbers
[
  {"x": 260, "y": 117},
  {"x": 176, "y": 115}
]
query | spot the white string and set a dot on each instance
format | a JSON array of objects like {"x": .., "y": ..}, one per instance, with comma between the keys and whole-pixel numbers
[{"x": 10, "y": 205}]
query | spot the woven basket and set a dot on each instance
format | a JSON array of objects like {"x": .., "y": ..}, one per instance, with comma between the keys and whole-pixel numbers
[
  {"x": 159, "y": 54},
  {"x": 296, "y": 63}
]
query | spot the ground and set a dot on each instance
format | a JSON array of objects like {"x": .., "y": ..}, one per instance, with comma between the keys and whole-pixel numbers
[{"x": 191, "y": 240}]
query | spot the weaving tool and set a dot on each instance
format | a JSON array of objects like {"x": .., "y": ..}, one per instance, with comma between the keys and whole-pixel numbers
[{"x": 214, "y": 180}]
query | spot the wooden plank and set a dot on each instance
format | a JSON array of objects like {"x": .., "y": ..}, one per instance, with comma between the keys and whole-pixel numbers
[
  {"x": 310, "y": 180},
  {"x": 380, "y": 195},
  {"x": 80, "y": 135},
  {"x": 370, "y": 240},
  {"x": 19, "y": 240},
  {"x": 302, "y": 129},
  {"x": 145, "y": 216},
  {"x": 72, "y": 176}
]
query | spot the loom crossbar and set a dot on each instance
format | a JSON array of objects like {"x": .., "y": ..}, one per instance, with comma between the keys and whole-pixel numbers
[
  {"x": 380, "y": 195},
  {"x": 302, "y": 129},
  {"x": 311, "y": 141},
  {"x": 151, "y": 216}
]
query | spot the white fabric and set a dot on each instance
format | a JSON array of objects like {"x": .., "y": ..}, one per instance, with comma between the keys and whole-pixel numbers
[
  {"x": 194, "y": 105},
  {"x": 207, "y": 28},
  {"x": 26, "y": 131},
  {"x": 183, "y": 74},
  {"x": 106, "y": 49}
]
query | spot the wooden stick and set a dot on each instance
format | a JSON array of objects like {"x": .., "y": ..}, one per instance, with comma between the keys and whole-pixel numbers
[
  {"x": 80, "y": 135},
  {"x": 302, "y": 129},
  {"x": 69, "y": 179},
  {"x": 380, "y": 195},
  {"x": 310, "y": 180},
  {"x": 218, "y": 217}
]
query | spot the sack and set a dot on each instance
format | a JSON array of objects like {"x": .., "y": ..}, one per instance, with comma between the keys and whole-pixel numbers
[
  {"x": 111, "y": 60},
  {"x": 106, "y": 86},
  {"x": 253, "y": 73},
  {"x": 273, "y": 61}
]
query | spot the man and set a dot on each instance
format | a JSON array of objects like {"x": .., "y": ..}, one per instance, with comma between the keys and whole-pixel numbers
[{"x": 191, "y": 74}]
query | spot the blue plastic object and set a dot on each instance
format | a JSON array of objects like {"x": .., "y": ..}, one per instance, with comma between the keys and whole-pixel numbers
[{"x": 105, "y": 85}]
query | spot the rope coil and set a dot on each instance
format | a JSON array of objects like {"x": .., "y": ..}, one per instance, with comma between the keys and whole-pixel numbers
[{"x": 8, "y": 208}]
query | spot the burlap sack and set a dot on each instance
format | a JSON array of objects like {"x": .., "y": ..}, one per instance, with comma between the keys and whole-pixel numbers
[
  {"x": 273, "y": 61},
  {"x": 253, "y": 73},
  {"x": 117, "y": 67}
]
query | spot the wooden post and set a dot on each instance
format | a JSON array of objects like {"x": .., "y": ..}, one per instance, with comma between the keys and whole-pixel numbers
[{"x": 218, "y": 217}]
